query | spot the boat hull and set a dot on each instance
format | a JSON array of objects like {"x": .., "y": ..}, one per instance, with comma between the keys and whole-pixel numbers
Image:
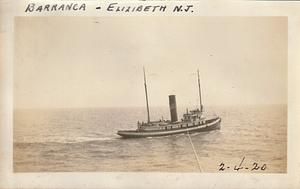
[{"x": 198, "y": 128}]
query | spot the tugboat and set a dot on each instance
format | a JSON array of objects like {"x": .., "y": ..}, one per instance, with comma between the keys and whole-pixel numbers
[{"x": 192, "y": 121}]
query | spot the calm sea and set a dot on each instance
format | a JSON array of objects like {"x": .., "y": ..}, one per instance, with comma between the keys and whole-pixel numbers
[{"x": 86, "y": 140}]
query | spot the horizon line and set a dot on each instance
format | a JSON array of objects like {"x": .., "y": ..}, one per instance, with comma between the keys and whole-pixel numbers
[{"x": 155, "y": 106}]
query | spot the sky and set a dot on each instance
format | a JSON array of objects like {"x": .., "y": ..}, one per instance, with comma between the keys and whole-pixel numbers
[{"x": 68, "y": 62}]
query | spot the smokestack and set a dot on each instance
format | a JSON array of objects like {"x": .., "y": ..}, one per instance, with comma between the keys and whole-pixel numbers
[{"x": 173, "y": 109}]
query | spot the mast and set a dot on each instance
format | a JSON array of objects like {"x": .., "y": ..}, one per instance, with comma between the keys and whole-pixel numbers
[
  {"x": 146, "y": 93},
  {"x": 200, "y": 99}
]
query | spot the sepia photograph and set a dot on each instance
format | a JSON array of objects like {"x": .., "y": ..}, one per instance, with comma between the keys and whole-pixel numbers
[{"x": 150, "y": 94}]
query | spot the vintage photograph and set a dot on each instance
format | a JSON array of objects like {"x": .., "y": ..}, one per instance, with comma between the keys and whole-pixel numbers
[{"x": 150, "y": 94}]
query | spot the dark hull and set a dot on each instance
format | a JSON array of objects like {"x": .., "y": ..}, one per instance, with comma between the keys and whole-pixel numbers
[{"x": 198, "y": 128}]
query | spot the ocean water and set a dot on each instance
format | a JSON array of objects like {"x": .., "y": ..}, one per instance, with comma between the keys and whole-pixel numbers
[{"x": 85, "y": 140}]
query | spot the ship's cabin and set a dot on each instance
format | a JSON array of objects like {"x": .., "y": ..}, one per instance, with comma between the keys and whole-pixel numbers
[{"x": 192, "y": 115}]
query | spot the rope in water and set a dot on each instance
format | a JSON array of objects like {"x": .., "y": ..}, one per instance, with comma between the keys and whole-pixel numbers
[{"x": 195, "y": 152}]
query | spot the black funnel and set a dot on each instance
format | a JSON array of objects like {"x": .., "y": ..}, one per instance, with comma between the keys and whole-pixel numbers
[{"x": 173, "y": 109}]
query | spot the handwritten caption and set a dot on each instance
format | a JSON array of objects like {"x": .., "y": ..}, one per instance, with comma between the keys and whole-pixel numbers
[
  {"x": 255, "y": 166},
  {"x": 108, "y": 8}
]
